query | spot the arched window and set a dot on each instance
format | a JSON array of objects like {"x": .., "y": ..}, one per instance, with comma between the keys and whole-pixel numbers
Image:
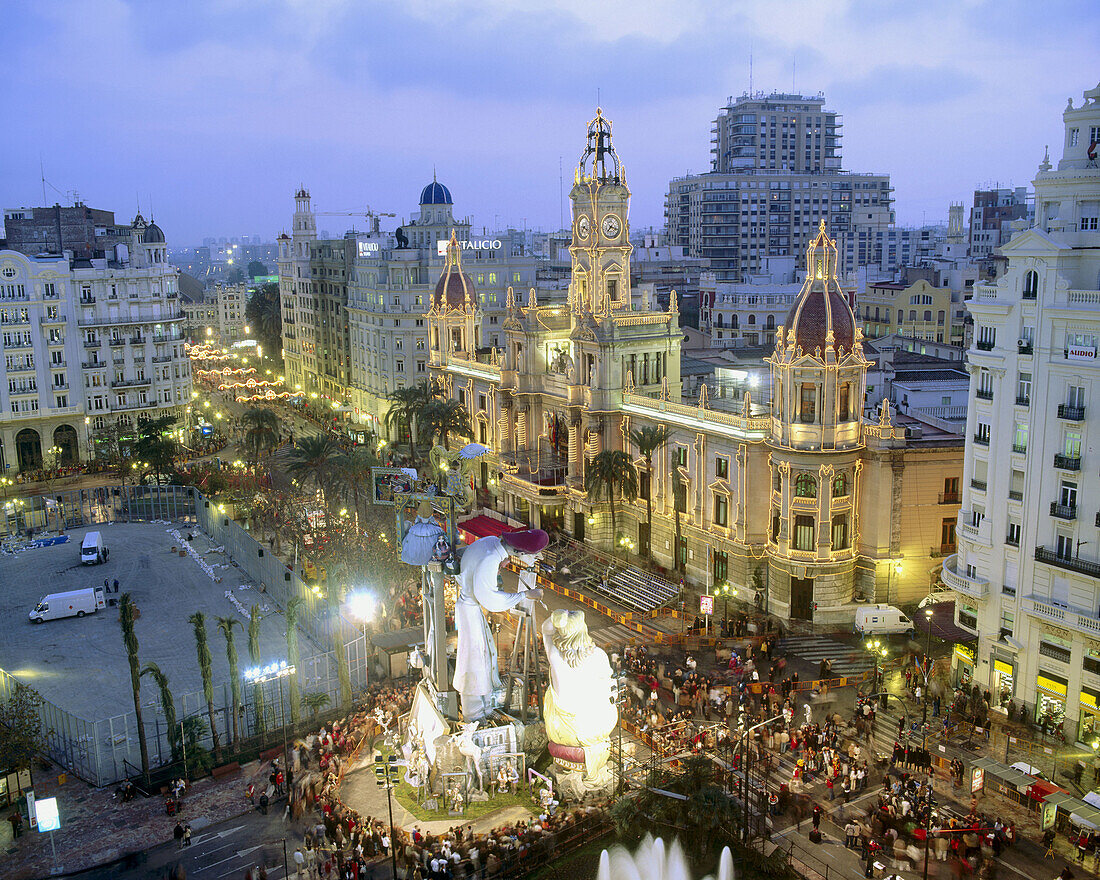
[
  {"x": 752, "y": 319},
  {"x": 913, "y": 315},
  {"x": 928, "y": 316},
  {"x": 770, "y": 324},
  {"x": 734, "y": 322},
  {"x": 1031, "y": 284},
  {"x": 720, "y": 320},
  {"x": 840, "y": 486},
  {"x": 805, "y": 486}
]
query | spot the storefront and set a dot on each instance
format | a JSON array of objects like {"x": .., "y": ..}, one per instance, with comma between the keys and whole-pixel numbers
[
  {"x": 964, "y": 664},
  {"x": 1088, "y": 725},
  {"x": 1050, "y": 700},
  {"x": 1004, "y": 683}
]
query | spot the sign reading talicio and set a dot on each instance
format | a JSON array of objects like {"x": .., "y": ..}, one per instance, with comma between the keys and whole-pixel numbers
[{"x": 481, "y": 244}]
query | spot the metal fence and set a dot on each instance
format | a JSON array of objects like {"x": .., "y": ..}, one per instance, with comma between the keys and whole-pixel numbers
[{"x": 105, "y": 751}]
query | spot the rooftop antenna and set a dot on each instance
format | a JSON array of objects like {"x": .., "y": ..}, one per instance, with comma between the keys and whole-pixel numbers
[
  {"x": 750, "y": 70},
  {"x": 42, "y": 171},
  {"x": 561, "y": 196},
  {"x": 794, "y": 74}
]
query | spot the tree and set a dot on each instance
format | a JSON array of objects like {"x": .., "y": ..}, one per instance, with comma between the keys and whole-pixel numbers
[
  {"x": 406, "y": 405},
  {"x": 649, "y": 439},
  {"x": 441, "y": 418},
  {"x": 155, "y": 445},
  {"x": 353, "y": 472},
  {"x": 611, "y": 472},
  {"x": 226, "y": 624},
  {"x": 261, "y": 431},
  {"x": 315, "y": 702},
  {"x": 254, "y": 656},
  {"x": 256, "y": 269},
  {"x": 315, "y": 459},
  {"x": 202, "y": 648},
  {"x": 167, "y": 705},
  {"x": 335, "y": 598},
  {"x": 127, "y": 614},
  {"x": 20, "y": 728},
  {"x": 292, "y": 656},
  {"x": 264, "y": 315}
]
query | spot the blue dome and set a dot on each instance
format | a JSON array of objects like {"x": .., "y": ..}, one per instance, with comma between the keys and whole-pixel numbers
[{"x": 435, "y": 193}]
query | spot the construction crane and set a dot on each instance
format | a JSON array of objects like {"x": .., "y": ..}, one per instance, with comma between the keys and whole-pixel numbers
[{"x": 375, "y": 217}]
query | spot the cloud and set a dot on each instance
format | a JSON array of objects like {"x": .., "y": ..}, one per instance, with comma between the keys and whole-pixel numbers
[{"x": 915, "y": 86}]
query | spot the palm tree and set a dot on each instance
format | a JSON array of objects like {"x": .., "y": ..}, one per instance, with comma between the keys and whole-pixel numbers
[
  {"x": 254, "y": 656},
  {"x": 315, "y": 702},
  {"x": 292, "y": 655},
  {"x": 611, "y": 472},
  {"x": 315, "y": 458},
  {"x": 407, "y": 404},
  {"x": 167, "y": 705},
  {"x": 441, "y": 418},
  {"x": 354, "y": 475},
  {"x": 202, "y": 647},
  {"x": 649, "y": 439},
  {"x": 335, "y": 599},
  {"x": 226, "y": 624},
  {"x": 261, "y": 431},
  {"x": 127, "y": 614}
]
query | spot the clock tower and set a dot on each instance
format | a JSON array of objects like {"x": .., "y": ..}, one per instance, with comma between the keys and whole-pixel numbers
[{"x": 601, "y": 248}]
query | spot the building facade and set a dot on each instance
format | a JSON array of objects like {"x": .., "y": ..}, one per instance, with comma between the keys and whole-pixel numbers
[
  {"x": 992, "y": 213},
  {"x": 776, "y": 174},
  {"x": 783, "y": 484},
  {"x": 1027, "y": 570},
  {"x": 90, "y": 345},
  {"x": 917, "y": 310}
]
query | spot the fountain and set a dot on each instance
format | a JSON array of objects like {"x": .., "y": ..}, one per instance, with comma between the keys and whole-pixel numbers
[{"x": 652, "y": 862}]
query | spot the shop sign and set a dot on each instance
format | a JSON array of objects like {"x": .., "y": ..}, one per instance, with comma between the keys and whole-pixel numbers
[
  {"x": 1081, "y": 353},
  {"x": 483, "y": 244},
  {"x": 977, "y": 780}
]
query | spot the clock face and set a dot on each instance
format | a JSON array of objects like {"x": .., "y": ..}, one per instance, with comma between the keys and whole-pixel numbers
[
  {"x": 583, "y": 227},
  {"x": 612, "y": 226}
]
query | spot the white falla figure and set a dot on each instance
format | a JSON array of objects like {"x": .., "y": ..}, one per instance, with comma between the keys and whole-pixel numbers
[
  {"x": 579, "y": 706},
  {"x": 477, "y": 675}
]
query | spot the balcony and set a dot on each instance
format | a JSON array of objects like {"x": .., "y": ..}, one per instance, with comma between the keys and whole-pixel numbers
[
  {"x": 1023, "y": 401},
  {"x": 56, "y": 319},
  {"x": 94, "y": 365},
  {"x": 975, "y": 587},
  {"x": 984, "y": 394},
  {"x": 949, "y": 498},
  {"x": 1015, "y": 495},
  {"x": 138, "y": 340},
  {"x": 1024, "y": 347},
  {"x": 91, "y": 343},
  {"x": 984, "y": 345},
  {"x": 942, "y": 550},
  {"x": 968, "y": 621},
  {"x": 87, "y": 300},
  {"x": 981, "y": 439},
  {"x": 1019, "y": 448},
  {"x": 1067, "y": 462},
  {"x": 1069, "y": 563},
  {"x": 1064, "y": 615},
  {"x": 126, "y": 383},
  {"x": 1063, "y": 511},
  {"x": 981, "y": 485},
  {"x": 1071, "y": 413},
  {"x": 162, "y": 358},
  {"x": 1098, "y": 519},
  {"x": 115, "y": 341}
]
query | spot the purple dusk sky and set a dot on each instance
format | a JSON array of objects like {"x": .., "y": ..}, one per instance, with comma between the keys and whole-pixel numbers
[{"x": 211, "y": 112}]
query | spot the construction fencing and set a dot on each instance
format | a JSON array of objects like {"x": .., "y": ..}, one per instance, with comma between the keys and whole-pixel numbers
[{"x": 103, "y": 751}]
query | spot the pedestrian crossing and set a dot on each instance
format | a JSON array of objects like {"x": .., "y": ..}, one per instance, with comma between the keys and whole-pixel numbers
[
  {"x": 847, "y": 659},
  {"x": 615, "y": 636}
]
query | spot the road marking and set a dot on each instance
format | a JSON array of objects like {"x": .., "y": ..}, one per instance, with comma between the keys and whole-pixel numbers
[{"x": 200, "y": 837}]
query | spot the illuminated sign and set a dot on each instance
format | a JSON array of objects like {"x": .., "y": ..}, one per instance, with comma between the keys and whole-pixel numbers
[
  {"x": 368, "y": 248},
  {"x": 977, "y": 780},
  {"x": 706, "y": 604},
  {"x": 484, "y": 244},
  {"x": 49, "y": 819}
]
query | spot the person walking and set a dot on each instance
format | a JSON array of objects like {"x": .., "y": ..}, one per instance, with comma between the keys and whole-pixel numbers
[
  {"x": 177, "y": 833},
  {"x": 187, "y": 834}
]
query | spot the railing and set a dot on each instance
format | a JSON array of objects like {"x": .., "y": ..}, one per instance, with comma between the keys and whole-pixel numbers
[
  {"x": 162, "y": 358},
  {"x": 126, "y": 383},
  {"x": 974, "y": 587},
  {"x": 981, "y": 439},
  {"x": 1019, "y": 448},
  {"x": 1024, "y": 348},
  {"x": 949, "y": 497},
  {"x": 1023, "y": 400},
  {"x": 1015, "y": 495},
  {"x": 979, "y": 484},
  {"x": 1012, "y": 540},
  {"x": 94, "y": 365},
  {"x": 116, "y": 341},
  {"x": 1098, "y": 519},
  {"x": 56, "y": 319},
  {"x": 1069, "y": 563},
  {"x": 92, "y": 343},
  {"x": 1031, "y": 293},
  {"x": 984, "y": 394},
  {"x": 984, "y": 345},
  {"x": 1071, "y": 413},
  {"x": 1063, "y": 614},
  {"x": 1063, "y": 511},
  {"x": 1067, "y": 462}
]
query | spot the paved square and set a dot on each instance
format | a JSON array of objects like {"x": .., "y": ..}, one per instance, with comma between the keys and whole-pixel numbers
[{"x": 80, "y": 665}]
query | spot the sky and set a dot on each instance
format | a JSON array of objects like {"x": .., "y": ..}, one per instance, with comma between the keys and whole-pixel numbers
[{"x": 208, "y": 114}]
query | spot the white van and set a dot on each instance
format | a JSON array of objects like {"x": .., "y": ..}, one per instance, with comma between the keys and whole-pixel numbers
[
  {"x": 93, "y": 549},
  {"x": 75, "y": 603},
  {"x": 882, "y": 619}
]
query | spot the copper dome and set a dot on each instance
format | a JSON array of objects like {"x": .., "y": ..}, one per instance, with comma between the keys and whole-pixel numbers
[
  {"x": 820, "y": 317},
  {"x": 454, "y": 287}
]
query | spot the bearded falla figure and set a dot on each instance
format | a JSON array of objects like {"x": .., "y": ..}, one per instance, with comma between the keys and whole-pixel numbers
[{"x": 579, "y": 705}]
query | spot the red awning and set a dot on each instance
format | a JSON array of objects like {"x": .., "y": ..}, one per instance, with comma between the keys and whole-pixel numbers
[{"x": 483, "y": 527}]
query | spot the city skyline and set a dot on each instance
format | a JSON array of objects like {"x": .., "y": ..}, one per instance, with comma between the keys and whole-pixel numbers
[{"x": 210, "y": 116}]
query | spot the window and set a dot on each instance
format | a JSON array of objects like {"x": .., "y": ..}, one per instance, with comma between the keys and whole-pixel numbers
[
  {"x": 680, "y": 456},
  {"x": 1008, "y": 623},
  {"x": 808, "y": 404},
  {"x": 840, "y": 486},
  {"x": 947, "y": 534},
  {"x": 721, "y": 566},
  {"x": 722, "y": 467},
  {"x": 803, "y": 533},
  {"x": 840, "y": 532},
  {"x": 842, "y": 403},
  {"x": 1013, "y": 537},
  {"x": 1067, "y": 496},
  {"x": 1023, "y": 387},
  {"x": 982, "y": 435},
  {"x": 805, "y": 486},
  {"x": 1072, "y": 444},
  {"x": 1063, "y": 547},
  {"x": 399, "y": 366},
  {"x": 1019, "y": 439},
  {"x": 1074, "y": 136},
  {"x": 721, "y": 510},
  {"x": 1075, "y": 396},
  {"x": 1031, "y": 284}
]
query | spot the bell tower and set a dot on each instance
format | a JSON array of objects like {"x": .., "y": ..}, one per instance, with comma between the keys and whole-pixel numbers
[{"x": 601, "y": 248}]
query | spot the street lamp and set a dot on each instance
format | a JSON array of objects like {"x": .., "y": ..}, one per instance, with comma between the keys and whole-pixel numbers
[
  {"x": 926, "y": 666},
  {"x": 386, "y": 775},
  {"x": 362, "y": 606},
  {"x": 725, "y": 590}
]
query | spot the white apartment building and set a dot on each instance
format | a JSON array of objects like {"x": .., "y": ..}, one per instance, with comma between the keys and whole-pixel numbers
[
  {"x": 89, "y": 345},
  {"x": 1027, "y": 570}
]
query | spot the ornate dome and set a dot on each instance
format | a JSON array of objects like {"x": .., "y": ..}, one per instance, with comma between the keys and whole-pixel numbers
[
  {"x": 435, "y": 193},
  {"x": 454, "y": 285},
  {"x": 152, "y": 235},
  {"x": 820, "y": 317}
]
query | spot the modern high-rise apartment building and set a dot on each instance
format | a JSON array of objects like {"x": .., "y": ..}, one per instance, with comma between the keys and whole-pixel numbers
[
  {"x": 1027, "y": 570},
  {"x": 993, "y": 211},
  {"x": 89, "y": 344},
  {"x": 775, "y": 175}
]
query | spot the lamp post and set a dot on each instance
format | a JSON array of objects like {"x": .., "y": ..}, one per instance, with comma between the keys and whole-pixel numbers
[
  {"x": 926, "y": 666},
  {"x": 725, "y": 590},
  {"x": 386, "y": 775}
]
